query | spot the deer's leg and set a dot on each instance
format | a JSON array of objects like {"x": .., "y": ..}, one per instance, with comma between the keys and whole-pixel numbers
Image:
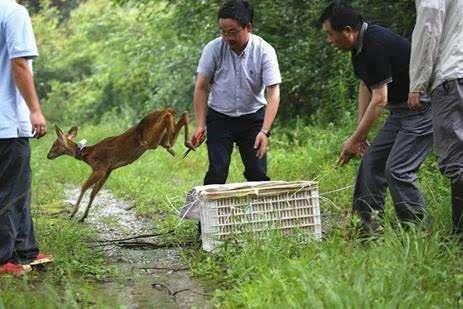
[
  {"x": 185, "y": 121},
  {"x": 94, "y": 177},
  {"x": 169, "y": 132},
  {"x": 95, "y": 190},
  {"x": 168, "y": 129},
  {"x": 153, "y": 134},
  {"x": 166, "y": 143},
  {"x": 182, "y": 122},
  {"x": 170, "y": 150}
]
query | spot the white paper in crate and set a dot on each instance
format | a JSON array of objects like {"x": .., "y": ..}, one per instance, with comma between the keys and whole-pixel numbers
[{"x": 192, "y": 210}]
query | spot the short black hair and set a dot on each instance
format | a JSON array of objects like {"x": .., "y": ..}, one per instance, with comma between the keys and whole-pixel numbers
[
  {"x": 341, "y": 15},
  {"x": 239, "y": 10}
]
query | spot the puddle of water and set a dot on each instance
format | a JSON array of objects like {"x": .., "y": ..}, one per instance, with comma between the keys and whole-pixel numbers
[{"x": 153, "y": 278}]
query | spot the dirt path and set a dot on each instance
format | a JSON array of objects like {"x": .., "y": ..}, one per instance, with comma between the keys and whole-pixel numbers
[{"x": 152, "y": 278}]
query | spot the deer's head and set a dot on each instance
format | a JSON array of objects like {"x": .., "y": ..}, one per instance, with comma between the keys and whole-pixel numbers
[{"x": 64, "y": 143}]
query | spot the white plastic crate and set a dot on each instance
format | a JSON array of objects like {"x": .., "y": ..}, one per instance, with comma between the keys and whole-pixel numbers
[{"x": 256, "y": 207}]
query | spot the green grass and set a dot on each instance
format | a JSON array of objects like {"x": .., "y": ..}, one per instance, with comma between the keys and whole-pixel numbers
[
  {"x": 72, "y": 279},
  {"x": 401, "y": 269}
]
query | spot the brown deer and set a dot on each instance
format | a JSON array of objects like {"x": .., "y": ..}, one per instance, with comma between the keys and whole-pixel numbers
[{"x": 156, "y": 129}]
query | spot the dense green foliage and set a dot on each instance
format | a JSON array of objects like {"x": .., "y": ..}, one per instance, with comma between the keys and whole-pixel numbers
[
  {"x": 72, "y": 278},
  {"x": 127, "y": 57}
]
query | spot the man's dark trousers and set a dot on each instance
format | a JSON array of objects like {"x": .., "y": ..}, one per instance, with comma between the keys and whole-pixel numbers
[
  {"x": 222, "y": 132},
  {"x": 447, "y": 108},
  {"x": 17, "y": 241},
  {"x": 393, "y": 160}
]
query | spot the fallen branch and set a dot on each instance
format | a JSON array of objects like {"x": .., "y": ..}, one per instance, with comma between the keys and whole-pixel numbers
[
  {"x": 58, "y": 213},
  {"x": 165, "y": 268},
  {"x": 152, "y": 245},
  {"x": 161, "y": 287},
  {"x": 130, "y": 207},
  {"x": 133, "y": 237}
]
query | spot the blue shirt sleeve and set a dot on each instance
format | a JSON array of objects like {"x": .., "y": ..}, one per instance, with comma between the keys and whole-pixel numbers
[{"x": 20, "y": 40}]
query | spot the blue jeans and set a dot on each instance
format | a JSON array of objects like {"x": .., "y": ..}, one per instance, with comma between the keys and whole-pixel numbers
[
  {"x": 222, "y": 132},
  {"x": 17, "y": 240},
  {"x": 392, "y": 160}
]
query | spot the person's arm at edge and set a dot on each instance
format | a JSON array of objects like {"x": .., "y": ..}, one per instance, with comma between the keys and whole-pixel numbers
[
  {"x": 273, "y": 102},
  {"x": 24, "y": 80},
  {"x": 425, "y": 40}
]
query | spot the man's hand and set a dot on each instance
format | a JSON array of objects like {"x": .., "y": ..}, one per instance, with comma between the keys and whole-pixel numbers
[
  {"x": 414, "y": 102},
  {"x": 199, "y": 136},
  {"x": 39, "y": 124},
  {"x": 24, "y": 80},
  {"x": 350, "y": 148},
  {"x": 261, "y": 144}
]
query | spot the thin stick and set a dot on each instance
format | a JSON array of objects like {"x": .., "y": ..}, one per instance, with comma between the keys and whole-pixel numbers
[
  {"x": 158, "y": 285},
  {"x": 133, "y": 237},
  {"x": 130, "y": 207},
  {"x": 165, "y": 268},
  {"x": 337, "y": 190},
  {"x": 150, "y": 244},
  {"x": 330, "y": 201},
  {"x": 171, "y": 205}
]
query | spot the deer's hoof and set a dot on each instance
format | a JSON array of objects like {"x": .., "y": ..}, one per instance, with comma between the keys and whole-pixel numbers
[
  {"x": 171, "y": 151},
  {"x": 189, "y": 145},
  {"x": 81, "y": 220}
]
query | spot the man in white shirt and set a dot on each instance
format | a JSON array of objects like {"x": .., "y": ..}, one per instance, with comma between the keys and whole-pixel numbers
[
  {"x": 20, "y": 119},
  {"x": 237, "y": 87},
  {"x": 436, "y": 67}
]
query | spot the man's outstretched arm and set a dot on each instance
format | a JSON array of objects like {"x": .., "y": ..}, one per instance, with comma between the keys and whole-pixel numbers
[{"x": 356, "y": 143}]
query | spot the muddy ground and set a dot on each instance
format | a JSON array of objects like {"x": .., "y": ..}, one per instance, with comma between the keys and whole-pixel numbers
[{"x": 151, "y": 278}]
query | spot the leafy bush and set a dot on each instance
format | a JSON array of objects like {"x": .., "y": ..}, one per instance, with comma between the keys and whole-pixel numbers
[{"x": 132, "y": 56}]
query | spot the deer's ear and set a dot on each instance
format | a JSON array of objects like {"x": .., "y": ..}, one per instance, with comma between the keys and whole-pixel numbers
[
  {"x": 72, "y": 133},
  {"x": 59, "y": 132}
]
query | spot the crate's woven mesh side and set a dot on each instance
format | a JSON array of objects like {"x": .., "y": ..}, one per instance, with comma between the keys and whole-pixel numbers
[
  {"x": 317, "y": 217},
  {"x": 208, "y": 224},
  {"x": 285, "y": 211}
]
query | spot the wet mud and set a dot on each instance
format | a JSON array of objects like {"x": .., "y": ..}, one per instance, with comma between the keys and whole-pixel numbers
[{"x": 150, "y": 277}]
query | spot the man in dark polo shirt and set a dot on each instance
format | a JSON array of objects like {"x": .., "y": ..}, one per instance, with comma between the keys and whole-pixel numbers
[{"x": 380, "y": 60}]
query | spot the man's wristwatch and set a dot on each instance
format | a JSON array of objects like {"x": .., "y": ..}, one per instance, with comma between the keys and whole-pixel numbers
[{"x": 266, "y": 132}]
